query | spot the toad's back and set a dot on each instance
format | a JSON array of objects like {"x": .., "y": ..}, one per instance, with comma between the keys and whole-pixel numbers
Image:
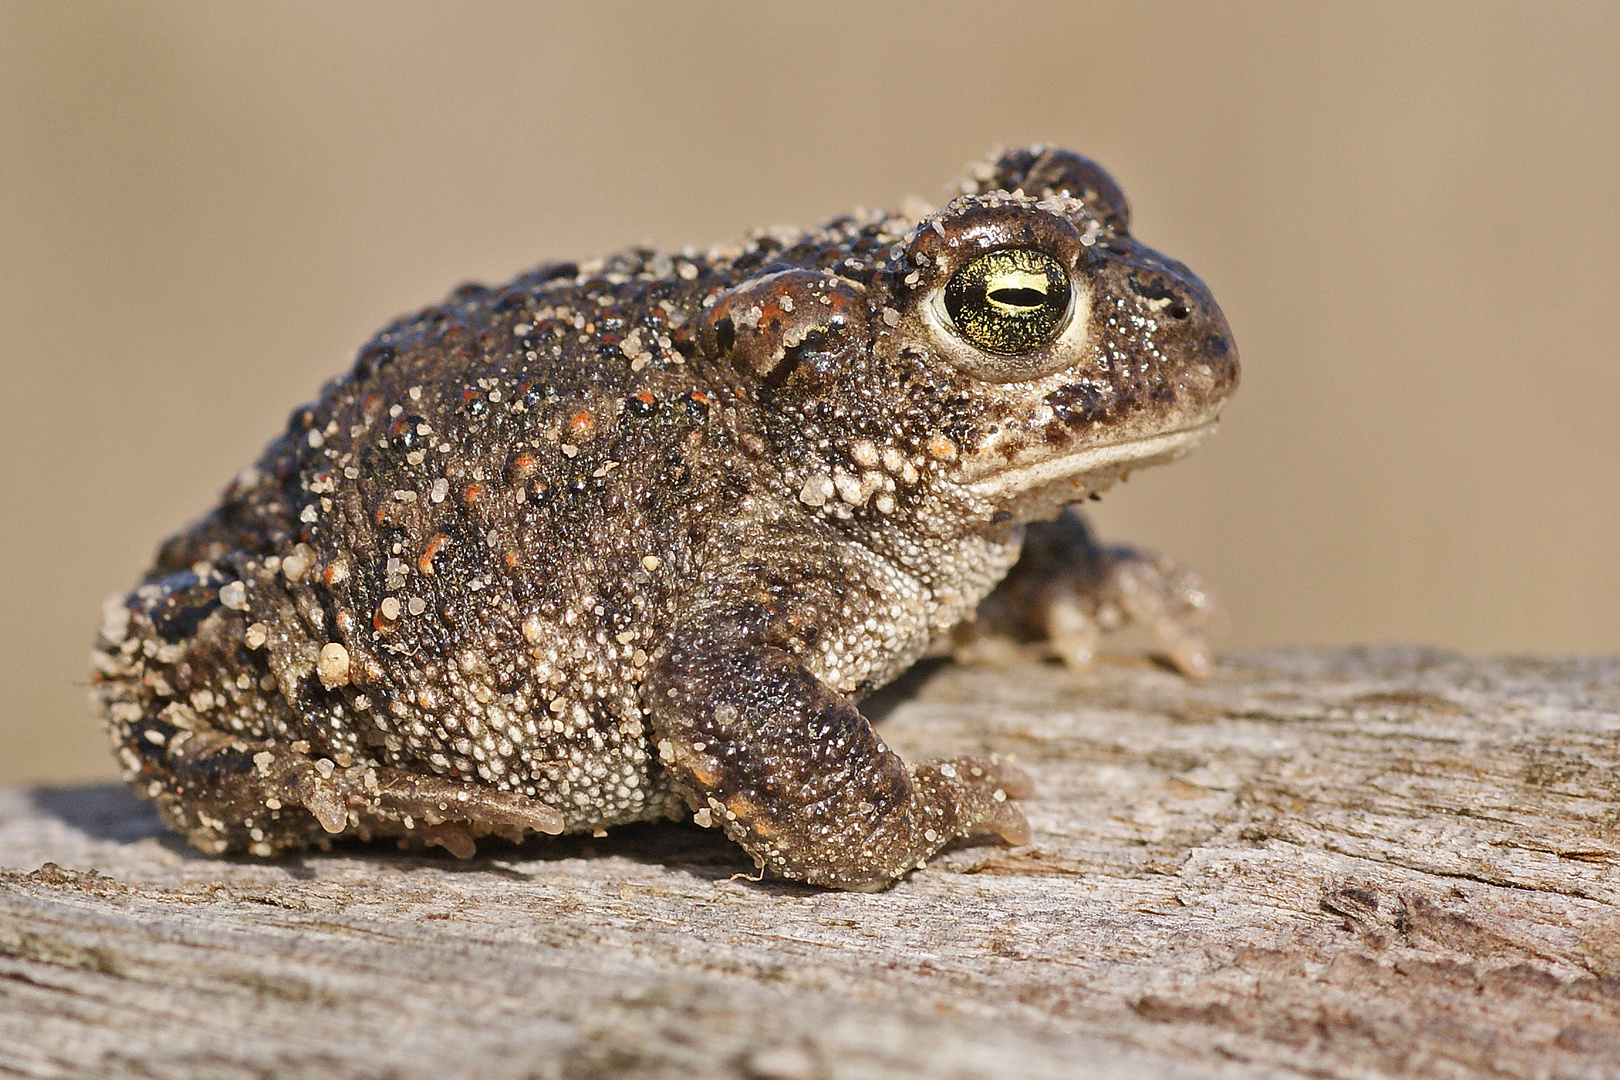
[{"x": 491, "y": 516}]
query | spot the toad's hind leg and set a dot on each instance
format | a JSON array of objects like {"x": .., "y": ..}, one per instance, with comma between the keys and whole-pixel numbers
[
  {"x": 203, "y": 731},
  {"x": 229, "y": 794}
]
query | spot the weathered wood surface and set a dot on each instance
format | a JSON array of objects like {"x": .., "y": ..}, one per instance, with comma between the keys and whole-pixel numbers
[{"x": 1395, "y": 863}]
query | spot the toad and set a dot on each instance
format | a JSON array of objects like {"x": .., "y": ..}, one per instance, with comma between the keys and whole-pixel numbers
[{"x": 631, "y": 539}]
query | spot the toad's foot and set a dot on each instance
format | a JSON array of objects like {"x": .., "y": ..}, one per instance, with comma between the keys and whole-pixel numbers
[{"x": 1066, "y": 590}]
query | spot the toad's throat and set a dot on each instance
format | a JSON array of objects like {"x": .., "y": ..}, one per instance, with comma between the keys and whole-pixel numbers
[{"x": 1105, "y": 463}]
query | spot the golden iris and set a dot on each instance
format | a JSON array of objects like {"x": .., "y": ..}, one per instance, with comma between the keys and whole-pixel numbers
[{"x": 1010, "y": 301}]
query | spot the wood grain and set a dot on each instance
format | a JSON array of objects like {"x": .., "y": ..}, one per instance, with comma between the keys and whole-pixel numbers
[{"x": 1357, "y": 864}]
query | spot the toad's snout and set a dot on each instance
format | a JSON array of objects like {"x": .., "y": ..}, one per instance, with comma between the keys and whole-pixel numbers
[{"x": 1180, "y": 326}]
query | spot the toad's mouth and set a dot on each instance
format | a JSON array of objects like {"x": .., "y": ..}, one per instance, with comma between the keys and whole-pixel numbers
[{"x": 1104, "y": 463}]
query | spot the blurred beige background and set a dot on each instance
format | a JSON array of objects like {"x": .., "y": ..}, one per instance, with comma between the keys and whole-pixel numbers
[{"x": 1412, "y": 218}]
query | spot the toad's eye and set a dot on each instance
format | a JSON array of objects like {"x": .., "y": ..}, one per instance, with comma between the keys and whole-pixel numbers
[{"x": 1015, "y": 300}]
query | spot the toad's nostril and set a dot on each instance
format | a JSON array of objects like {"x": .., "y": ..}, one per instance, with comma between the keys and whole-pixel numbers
[{"x": 1178, "y": 310}]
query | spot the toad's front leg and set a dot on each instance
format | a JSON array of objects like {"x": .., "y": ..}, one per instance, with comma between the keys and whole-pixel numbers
[{"x": 794, "y": 773}]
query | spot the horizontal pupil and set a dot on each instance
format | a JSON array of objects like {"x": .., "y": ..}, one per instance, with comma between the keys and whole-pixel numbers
[
  {"x": 1009, "y": 301},
  {"x": 1020, "y": 298}
]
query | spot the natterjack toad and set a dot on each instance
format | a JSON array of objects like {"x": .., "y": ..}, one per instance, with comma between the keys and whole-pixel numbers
[{"x": 630, "y": 539}]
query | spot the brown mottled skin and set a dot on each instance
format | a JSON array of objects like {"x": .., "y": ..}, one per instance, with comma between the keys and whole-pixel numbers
[{"x": 631, "y": 540}]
